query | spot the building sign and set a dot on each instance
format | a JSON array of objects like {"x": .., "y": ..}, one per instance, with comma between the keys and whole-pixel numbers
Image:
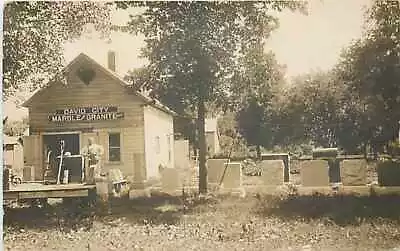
[{"x": 86, "y": 114}]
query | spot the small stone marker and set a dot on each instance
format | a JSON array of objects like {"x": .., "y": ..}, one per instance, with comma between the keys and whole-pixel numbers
[
  {"x": 170, "y": 180},
  {"x": 353, "y": 172},
  {"x": 28, "y": 173},
  {"x": 272, "y": 172},
  {"x": 233, "y": 176},
  {"x": 314, "y": 173},
  {"x": 215, "y": 169}
]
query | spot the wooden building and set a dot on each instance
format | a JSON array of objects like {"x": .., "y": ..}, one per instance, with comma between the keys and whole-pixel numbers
[
  {"x": 90, "y": 100},
  {"x": 13, "y": 154}
]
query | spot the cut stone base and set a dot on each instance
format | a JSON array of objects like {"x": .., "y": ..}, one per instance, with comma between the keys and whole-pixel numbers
[{"x": 133, "y": 194}]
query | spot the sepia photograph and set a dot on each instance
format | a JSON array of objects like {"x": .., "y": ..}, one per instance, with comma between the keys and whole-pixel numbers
[{"x": 201, "y": 125}]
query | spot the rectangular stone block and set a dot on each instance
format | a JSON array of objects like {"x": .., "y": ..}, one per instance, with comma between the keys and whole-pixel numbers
[
  {"x": 170, "y": 180},
  {"x": 181, "y": 150},
  {"x": 133, "y": 194},
  {"x": 28, "y": 173},
  {"x": 103, "y": 189},
  {"x": 272, "y": 172},
  {"x": 314, "y": 173},
  {"x": 215, "y": 169},
  {"x": 353, "y": 172},
  {"x": 280, "y": 156},
  {"x": 233, "y": 176},
  {"x": 139, "y": 171},
  {"x": 388, "y": 173}
]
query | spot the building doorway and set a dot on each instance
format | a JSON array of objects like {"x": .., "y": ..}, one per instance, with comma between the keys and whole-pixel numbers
[{"x": 71, "y": 143}]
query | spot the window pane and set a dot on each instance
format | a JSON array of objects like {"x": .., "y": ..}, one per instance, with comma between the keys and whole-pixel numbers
[
  {"x": 114, "y": 154},
  {"x": 113, "y": 139},
  {"x": 114, "y": 149}
]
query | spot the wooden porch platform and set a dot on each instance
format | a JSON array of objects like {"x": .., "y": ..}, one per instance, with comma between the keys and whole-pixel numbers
[{"x": 41, "y": 191}]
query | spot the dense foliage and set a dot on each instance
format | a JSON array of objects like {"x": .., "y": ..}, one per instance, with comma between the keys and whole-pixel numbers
[
  {"x": 193, "y": 49},
  {"x": 34, "y": 33},
  {"x": 353, "y": 106}
]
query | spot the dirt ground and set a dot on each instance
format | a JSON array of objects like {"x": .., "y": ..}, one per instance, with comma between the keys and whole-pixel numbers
[{"x": 256, "y": 222}]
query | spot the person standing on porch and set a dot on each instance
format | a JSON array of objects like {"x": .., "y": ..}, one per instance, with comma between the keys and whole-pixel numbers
[{"x": 93, "y": 154}]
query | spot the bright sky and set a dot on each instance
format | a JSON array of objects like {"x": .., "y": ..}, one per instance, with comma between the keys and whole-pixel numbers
[
  {"x": 312, "y": 42},
  {"x": 302, "y": 43}
]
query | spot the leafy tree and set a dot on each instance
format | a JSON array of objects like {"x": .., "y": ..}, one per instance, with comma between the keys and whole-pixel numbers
[
  {"x": 288, "y": 116},
  {"x": 369, "y": 71},
  {"x": 192, "y": 47},
  {"x": 231, "y": 142},
  {"x": 255, "y": 85},
  {"x": 322, "y": 103},
  {"x": 34, "y": 33},
  {"x": 308, "y": 111}
]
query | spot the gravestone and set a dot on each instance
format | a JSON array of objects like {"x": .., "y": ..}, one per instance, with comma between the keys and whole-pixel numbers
[
  {"x": 353, "y": 172},
  {"x": 139, "y": 171},
  {"x": 170, "y": 180},
  {"x": 233, "y": 176},
  {"x": 215, "y": 169},
  {"x": 28, "y": 173},
  {"x": 103, "y": 191},
  {"x": 314, "y": 173},
  {"x": 272, "y": 172},
  {"x": 280, "y": 156},
  {"x": 388, "y": 173},
  {"x": 181, "y": 151}
]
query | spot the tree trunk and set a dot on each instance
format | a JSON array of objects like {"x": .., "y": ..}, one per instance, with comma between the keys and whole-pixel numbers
[
  {"x": 195, "y": 139},
  {"x": 258, "y": 149},
  {"x": 365, "y": 150},
  {"x": 202, "y": 148}
]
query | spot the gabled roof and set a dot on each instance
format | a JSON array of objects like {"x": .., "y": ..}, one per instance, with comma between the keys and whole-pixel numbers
[{"x": 148, "y": 100}]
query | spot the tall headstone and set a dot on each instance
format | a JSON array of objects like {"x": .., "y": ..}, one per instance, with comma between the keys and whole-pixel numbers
[
  {"x": 280, "y": 156},
  {"x": 233, "y": 176},
  {"x": 215, "y": 169},
  {"x": 139, "y": 171},
  {"x": 353, "y": 172},
  {"x": 272, "y": 172},
  {"x": 170, "y": 180},
  {"x": 28, "y": 173},
  {"x": 181, "y": 150},
  {"x": 314, "y": 173}
]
